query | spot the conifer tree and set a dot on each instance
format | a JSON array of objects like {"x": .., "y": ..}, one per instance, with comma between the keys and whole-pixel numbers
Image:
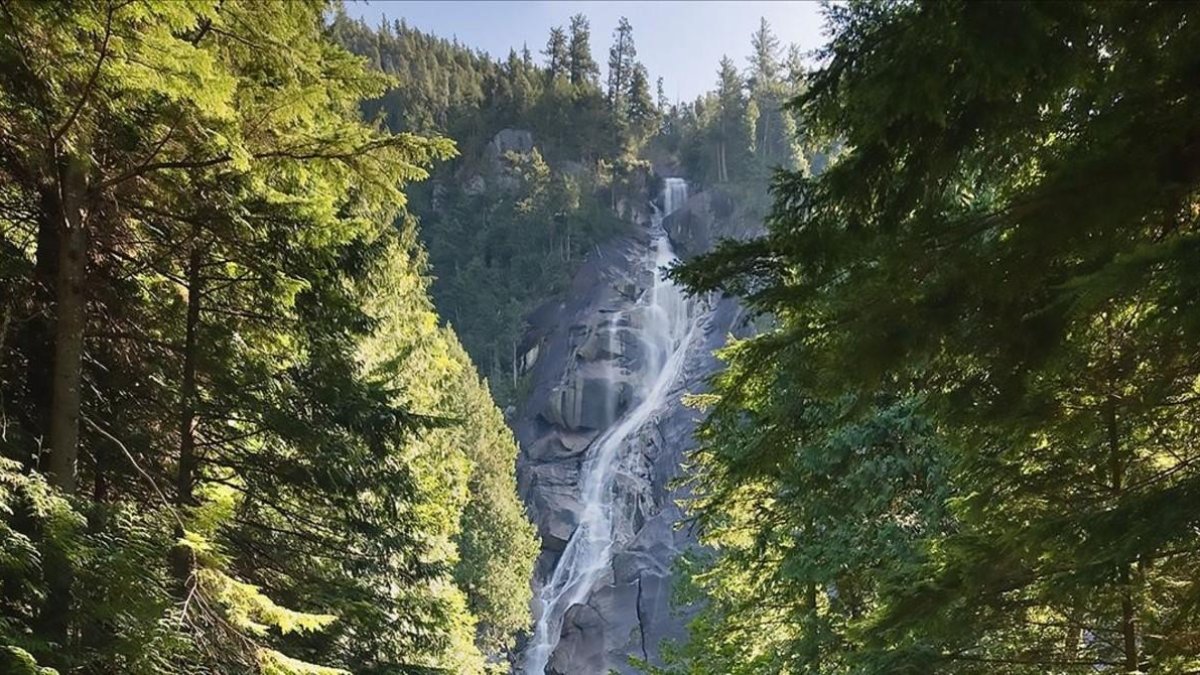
[
  {"x": 985, "y": 312},
  {"x": 733, "y": 130},
  {"x": 642, "y": 113},
  {"x": 195, "y": 229},
  {"x": 583, "y": 68},
  {"x": 557, "y": 58},
  {"x": 766, "y": 91},
  {"x": 621, "y": 61}
]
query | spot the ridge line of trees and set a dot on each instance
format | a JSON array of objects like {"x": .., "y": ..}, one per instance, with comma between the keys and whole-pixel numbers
[{"x": 506, "y": 232}]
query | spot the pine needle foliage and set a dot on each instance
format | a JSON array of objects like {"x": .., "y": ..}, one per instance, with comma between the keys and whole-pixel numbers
[
  {"x": 986, "y": 305},
  {"x": 214, "y": 454}
]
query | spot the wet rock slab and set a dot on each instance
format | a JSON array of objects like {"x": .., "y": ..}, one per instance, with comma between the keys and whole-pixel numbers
[{"x": 590, "y": 353}]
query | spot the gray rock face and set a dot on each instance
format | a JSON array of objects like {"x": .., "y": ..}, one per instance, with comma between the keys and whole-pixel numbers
[
  {"x": 584, "y": 402},
  {"x": 589, "y": 351},
  {"x": 709, "y": 216},
  {"x": 509, "y": 140},
  {"x": 492, "y": 170}
]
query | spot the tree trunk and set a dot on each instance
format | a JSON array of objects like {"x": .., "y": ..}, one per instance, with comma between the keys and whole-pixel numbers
[
  {"x": 70, "y": 318},
  {"x": 812, "y": 639},
  {"x": 70, "y": 315},
  {"x": 182, "y": 559},
  {"x": 1128, "y": 614},
  {"x": 1128, "y": 622},
  {"x": 1074, "y": 633},
  {"x": 766, "y": 132},
  {"x": 37, "y": 335},
  {"x": 185, "y": 479}
]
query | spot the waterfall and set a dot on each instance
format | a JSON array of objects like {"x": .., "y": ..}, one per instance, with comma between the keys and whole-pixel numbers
[
  {"x": 669, "y": 326},
  {"x": 675, "y": 193}
]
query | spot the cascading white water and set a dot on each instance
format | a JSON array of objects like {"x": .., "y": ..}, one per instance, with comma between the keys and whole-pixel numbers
[
  {"x": 675, "y": 193},
  {"x": 668, "y": 327}
]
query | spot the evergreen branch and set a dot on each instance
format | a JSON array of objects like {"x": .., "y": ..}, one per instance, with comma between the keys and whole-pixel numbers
[
  {"x": 1015, "y": 661},
  {"x": 296, "y": 154},
  {"x": 91, "y": 82},
  {"x": 144, "y": 474},
  {"x": 39, "y": 83}
]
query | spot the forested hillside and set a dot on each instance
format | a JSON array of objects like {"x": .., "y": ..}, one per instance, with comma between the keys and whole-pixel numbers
[
  {"x": 553, "y": 161},
  {"x": 266, "y": 271},
  {"x": 969, "y": 442},
  {"x": 234, "y": 437}
]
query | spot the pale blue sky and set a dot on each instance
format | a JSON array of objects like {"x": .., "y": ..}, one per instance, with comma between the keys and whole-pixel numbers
[{"x": 680, "y": 41}]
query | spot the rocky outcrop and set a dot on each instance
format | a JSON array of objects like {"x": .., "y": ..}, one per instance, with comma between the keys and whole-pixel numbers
[
  {"x": 492, "y": 170},
  {"x": 588, "y": 352},
  {"x": 712, "y": 215},
  {"x": 505, "y": 141}
]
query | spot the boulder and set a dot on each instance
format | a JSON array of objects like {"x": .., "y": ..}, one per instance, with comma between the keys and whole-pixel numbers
[
  {"x": 610, "y": 343},
  {"x": 581, "y": 647},
  {"x": 706, "y": 218},
  {"x": 597, "y": 635},
  {"x": 475, "y": 185}
]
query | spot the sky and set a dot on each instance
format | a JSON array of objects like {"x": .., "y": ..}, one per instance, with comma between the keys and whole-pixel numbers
[{"x": 680, "y": 41}]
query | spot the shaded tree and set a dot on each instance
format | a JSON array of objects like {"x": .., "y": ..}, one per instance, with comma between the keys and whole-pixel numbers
[{"x": 1002, "y": 250}]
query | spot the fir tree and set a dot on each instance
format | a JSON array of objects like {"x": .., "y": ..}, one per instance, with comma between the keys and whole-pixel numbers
[
  {"x": 984, "y": 304},
  {"x": 582, "y": 67},
  {"x": 216, "y": 300},
  {"x": 733, "y": 130},
  {"x": 557, "y": 57},
  {"x": 621, "y": 60},
  {"x": 642, "y": 113},
  {"x": 767, "y": 92}
]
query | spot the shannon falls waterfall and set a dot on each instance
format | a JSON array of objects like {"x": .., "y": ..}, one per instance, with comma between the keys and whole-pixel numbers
[{"x": 603, "y": 435}]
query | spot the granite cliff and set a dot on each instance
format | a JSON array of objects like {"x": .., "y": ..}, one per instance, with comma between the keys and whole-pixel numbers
[{"x": 604, "y": 433}]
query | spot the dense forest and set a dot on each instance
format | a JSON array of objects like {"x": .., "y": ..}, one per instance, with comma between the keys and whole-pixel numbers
[
  {"x": 969, "y": 441},
  {"x": 265, "y": 271},
  {"x": 236, "y": 437}
]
